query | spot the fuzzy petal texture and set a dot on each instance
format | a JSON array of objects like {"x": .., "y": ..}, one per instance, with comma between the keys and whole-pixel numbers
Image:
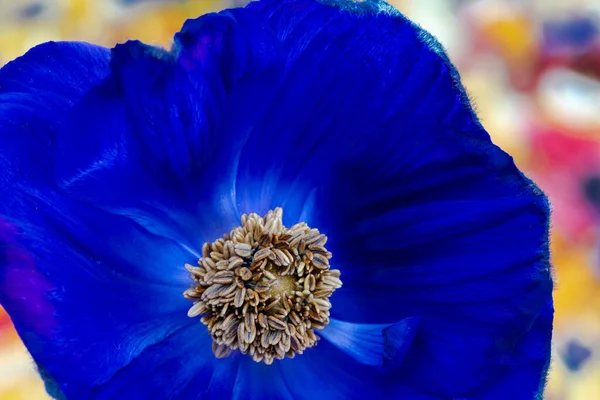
[{"x": 345, "y": 114}]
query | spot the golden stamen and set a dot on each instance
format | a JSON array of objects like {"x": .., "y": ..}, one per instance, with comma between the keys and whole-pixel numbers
[{"x": 263, "y": 288}]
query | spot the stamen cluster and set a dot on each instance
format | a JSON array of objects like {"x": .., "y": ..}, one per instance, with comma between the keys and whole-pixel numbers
[{"x": 264, "y": 288}]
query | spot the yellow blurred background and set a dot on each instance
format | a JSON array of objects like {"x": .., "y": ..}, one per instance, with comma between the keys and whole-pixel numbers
[{"x": 532, "y": 67}]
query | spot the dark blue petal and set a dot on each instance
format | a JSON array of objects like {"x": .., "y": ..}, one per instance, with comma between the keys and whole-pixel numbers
[
  {"x": 81, "y": 306},
  {"x": 141, "y": 155},
  {"x": 88, "y": 290},
  {"x": 303, "y": 123},
  {"x": 155, "y": 126},
  {"x": 324, "y": 372},
  {"x": 180, "y": 367},
  {"x": 363, "y": 342},
  {"x": 525, "y": 379},
  {"x": 397, "y": 340},
  {"x": 383, "y": 345},
  {"x": 257, "y": 381},
  {"x": 37, "y": 92},
  {"x": 227, "y": 48},
  {"x": 327, "y": 372},
  {"x": 477, "y": 298}
]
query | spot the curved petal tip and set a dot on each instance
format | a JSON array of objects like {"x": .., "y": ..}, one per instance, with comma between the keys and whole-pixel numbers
[{"x": 397, "y": 340}]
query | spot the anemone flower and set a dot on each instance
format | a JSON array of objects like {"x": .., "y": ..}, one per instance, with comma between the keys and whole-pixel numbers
[{"x": 296, "y": 201}]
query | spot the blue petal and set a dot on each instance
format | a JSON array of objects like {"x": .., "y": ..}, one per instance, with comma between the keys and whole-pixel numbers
[
  {"x": 141, "y": 158},
  {"x": 363, "y": 342},
  {"x": 525, "y": 379},
  {"x": 258, "y": 381},
  {"x": 87, "y": 290},
  {"x": 324, "y": 372},
  {"x": 381, "y": 345},
  {"x": 80, "y": 305},
  {"x": 37, "y": 92},
  {"x": 397, "y": 340},
  {"x": 155, "y": 126},
  {"x": 327, "y": 372},
  {"x": 319, "y": 113},
  {"x": 476, "y": 291},
  {"x": 182, "y": 367}
]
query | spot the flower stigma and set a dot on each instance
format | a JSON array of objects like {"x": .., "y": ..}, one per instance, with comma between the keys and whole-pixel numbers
[{"x": 263, "y": 288}]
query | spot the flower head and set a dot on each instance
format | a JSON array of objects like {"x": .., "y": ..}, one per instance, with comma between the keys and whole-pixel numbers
[{"x": 296, "y": 201}]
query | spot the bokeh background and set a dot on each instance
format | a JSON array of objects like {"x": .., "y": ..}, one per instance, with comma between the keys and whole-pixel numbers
[{"x": 531, "y": 66}]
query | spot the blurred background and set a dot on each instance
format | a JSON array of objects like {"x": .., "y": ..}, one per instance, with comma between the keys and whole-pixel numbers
[{"x": 531, "y": 66}]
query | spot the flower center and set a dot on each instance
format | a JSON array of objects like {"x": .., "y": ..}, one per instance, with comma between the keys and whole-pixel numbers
[{"x": 263, "y": 288}]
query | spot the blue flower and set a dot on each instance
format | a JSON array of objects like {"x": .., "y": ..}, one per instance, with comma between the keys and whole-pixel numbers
[{"x": 310, "y": 174}]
